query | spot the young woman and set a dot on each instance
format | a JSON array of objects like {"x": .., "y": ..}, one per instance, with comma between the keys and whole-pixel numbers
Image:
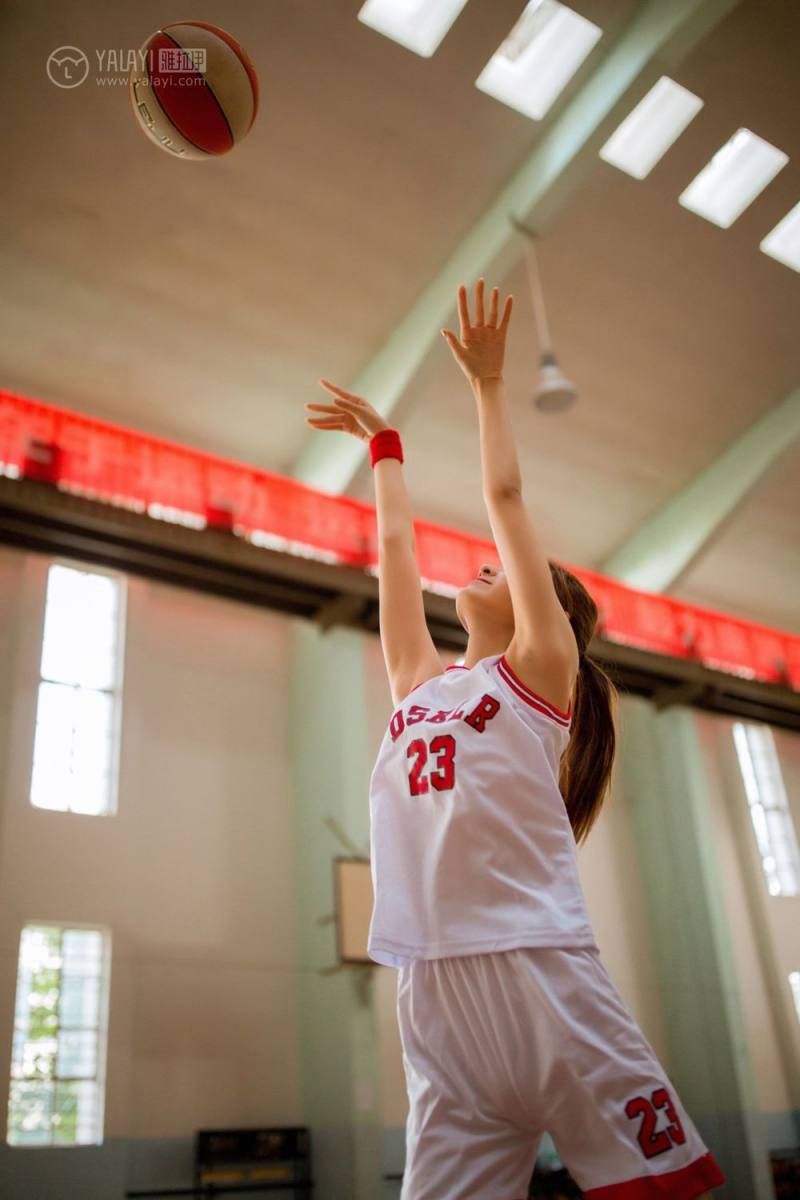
[{"x": 487, "y": 777}]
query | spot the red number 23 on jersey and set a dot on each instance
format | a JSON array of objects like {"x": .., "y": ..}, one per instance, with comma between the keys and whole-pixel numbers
[{"x": 442, "y": 775}]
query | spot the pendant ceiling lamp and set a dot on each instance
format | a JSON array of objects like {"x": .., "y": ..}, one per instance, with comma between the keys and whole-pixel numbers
[{"x": 554, "y": 392}]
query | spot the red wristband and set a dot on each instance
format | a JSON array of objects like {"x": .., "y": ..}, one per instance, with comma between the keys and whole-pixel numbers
[{"x": 385, "y": 444}]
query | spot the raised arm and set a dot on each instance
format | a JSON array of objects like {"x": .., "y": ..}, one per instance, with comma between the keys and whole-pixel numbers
[
  {"x": 408, "y": 648},
  {"x": 543, "y": 651}
]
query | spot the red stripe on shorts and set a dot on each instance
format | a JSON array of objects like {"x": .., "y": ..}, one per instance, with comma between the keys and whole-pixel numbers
[
  {"x": 683, "y": 1184},
  {"x": 188, "y": 101}
]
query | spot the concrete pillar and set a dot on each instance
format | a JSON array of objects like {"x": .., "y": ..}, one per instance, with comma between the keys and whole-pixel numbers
[
  {"x": 338, "y": 1038},
  {"x": 663, "y": 781}
]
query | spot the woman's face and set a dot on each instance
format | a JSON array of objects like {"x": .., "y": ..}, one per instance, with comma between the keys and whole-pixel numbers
[{"x": 486, "y": 598}]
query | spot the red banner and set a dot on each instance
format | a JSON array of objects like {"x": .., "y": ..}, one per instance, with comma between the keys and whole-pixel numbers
[{"x": 150, "y": 475}]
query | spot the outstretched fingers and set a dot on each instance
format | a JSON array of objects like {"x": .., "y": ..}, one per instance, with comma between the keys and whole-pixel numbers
[
  {"x": 327, "y": 422},
  {"x": 463, "y": 313},
  {"x": 509, "y": 304},
  {"x": 334, "y": 416},
  {"x": 347, "y": 412},
  {"x": 340, "y": 393},
  {"x": 493, "y": 302},
  {"x": 479, "y": 318},
  {"x": 332, "y": 410}
]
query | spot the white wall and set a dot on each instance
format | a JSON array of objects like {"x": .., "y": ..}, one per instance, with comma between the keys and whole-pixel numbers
[{"x": 194, "y": 874}]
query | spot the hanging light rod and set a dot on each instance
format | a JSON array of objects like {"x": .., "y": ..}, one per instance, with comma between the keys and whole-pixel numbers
[{"x": 554, "y": 392}]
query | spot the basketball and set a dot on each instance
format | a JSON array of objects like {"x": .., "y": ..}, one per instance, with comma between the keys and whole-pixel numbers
[{"x": 194, "y": 90}]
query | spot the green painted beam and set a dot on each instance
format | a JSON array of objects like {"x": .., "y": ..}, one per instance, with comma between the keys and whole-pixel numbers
[
  {"x": 661, "y": 33},
  {"x": 660, "y": 549}
]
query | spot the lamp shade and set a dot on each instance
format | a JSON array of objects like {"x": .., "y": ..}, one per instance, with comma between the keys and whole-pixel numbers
[{"x": 554, "y": 392}]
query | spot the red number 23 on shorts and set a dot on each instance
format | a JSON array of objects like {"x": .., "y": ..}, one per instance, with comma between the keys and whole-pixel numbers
[{"x": 652, "y": 1142}]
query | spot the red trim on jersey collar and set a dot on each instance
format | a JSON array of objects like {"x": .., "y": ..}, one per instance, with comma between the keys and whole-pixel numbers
[
  {"x": 457, "y": 667},
  {"x": 524, "y": 692},
  {"x": 683, "y": 1184}
]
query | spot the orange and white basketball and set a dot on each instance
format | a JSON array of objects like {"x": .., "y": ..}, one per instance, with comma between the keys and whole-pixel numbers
[{"x": 194, "y": 90}]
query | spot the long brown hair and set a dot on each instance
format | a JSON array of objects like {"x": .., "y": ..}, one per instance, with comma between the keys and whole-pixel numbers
[{"x": 585, "y": 772}]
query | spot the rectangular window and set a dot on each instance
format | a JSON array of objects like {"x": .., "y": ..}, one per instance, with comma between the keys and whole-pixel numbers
[
  {"x": 78, "y": 712},
  {"x": 57, "y": 1092},
  {"x": 769, "y": 808},
  {"x": 794, "y": 984}
]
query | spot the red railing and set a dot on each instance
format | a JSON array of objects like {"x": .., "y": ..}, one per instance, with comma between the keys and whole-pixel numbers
[{"x": 123, "y": 466}]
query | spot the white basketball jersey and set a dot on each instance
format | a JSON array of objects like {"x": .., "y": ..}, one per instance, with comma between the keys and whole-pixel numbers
[{"x": 471, "y": 846}]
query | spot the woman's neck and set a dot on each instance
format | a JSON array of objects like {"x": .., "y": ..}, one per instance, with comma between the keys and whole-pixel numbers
[{"x": 482, "y": 643}]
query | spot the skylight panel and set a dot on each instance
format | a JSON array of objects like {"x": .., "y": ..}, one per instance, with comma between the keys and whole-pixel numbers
[
  {"x": 738, "y": 172},
  {"x": 419, "y": 25},
  {"x": 784, "y": 241},
  {"x": 538, "y": 58},
  {"x": 650, "y": 129}
]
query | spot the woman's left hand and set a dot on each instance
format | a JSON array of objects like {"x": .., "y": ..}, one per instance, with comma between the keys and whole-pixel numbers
[
  {"x": 348, "y": 414},
  {"x": 482, "y": 346}
]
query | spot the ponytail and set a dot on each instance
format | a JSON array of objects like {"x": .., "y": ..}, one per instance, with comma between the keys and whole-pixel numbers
[{"x": 585, "y": 772}]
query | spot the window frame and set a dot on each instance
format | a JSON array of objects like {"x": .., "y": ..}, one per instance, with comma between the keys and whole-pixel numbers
[
  {"x": 101, "y": 1044},
  {"x": 782, "y": 850},
  {"x": 120, "y": 578}
]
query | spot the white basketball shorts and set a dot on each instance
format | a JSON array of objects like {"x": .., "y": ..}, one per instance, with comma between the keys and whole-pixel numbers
[{"x": 499, "y": 1047}]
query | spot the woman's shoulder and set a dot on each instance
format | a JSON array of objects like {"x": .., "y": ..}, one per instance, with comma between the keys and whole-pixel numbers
[{"x": 533, "y": 703}]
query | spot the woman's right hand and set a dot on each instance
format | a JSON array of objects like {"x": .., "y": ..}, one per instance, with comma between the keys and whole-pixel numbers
[
  {"x": 348, "y": 414},
  {"x": 482, "y": 345}
]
